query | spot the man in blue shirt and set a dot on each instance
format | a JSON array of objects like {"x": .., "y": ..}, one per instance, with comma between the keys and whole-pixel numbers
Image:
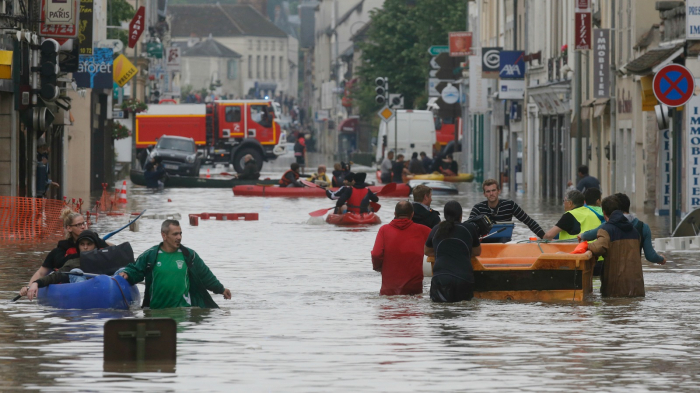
[{"x": 587, "y": 181}]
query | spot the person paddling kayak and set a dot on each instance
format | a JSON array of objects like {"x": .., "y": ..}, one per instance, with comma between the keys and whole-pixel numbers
[
  {"x": 357, "y": 197},
  {"x": 291, "y": 177},
  {"x": 348, "y": 182}
]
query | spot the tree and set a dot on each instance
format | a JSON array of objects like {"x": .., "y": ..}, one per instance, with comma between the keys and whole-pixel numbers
[
  {"x": 119, "y": 11},
  {"x": 397, "y": 45}
]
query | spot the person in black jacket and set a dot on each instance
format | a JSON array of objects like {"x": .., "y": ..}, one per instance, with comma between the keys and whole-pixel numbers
[
  {"x": 422, "y": 213},
  {"x": 397, "y": 170},
  {"x": 250, "y": 169},
  {"x": 154, "y": 174},
  {"x": 416, "y": 165},
  {"x": 448, "y": 167},
  {"x": 66, "y": 249},
  {"x": 427, "y": 162}
]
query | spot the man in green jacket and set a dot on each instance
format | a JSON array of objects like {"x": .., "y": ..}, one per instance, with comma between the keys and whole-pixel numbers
[{"x": 175, "y": 275}]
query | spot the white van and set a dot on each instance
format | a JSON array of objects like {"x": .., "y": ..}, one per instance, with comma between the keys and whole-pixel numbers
[{"x": 414, "y": 131}]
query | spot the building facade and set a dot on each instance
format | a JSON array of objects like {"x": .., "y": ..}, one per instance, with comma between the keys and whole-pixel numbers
[
  {"x": 531, "y": 144},
  {"x": 339, "y": 26},
  {"x": 269, "y": 56}
]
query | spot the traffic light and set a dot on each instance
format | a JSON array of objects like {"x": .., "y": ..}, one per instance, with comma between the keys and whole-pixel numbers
[
  {"x": 382, "y": 89},
  {"x": 49, "y": 70}
]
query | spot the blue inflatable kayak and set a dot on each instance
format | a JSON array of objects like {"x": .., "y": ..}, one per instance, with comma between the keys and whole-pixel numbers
[
  {"x": 99, "y": 292},
  {"x": 504, "y": 236}
]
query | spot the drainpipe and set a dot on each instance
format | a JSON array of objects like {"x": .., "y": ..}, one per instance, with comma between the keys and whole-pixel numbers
[
  {"x": 13, "y": 153},
  {"x": 613, "y": 102},
  {"x": 466, "y": 120}
]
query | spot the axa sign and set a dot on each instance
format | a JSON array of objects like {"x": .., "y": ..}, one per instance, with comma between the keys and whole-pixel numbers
[{"x": 512, "y": 64}]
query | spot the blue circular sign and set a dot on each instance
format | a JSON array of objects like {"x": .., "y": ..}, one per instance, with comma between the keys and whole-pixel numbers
[{"x": 674, "y": 85}]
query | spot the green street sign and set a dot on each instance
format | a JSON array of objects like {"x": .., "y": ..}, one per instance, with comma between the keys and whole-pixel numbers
[
  {"x": 155, "y": 49},
  {"x": 115, "y": 91},
  {"x": 437, "y": 49}
]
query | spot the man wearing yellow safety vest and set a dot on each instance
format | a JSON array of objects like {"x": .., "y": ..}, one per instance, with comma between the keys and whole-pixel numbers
[{"x": 577, "y": 219}]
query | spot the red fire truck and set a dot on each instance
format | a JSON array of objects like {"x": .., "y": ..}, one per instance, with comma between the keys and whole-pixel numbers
[
  {"x": 445, "y": 132},
  {"x": 225, "y": 131}
]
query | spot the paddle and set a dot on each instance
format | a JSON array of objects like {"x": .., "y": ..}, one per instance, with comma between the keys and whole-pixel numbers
[
  {"x": 391, "y": 187},
  {"x": 498, "y": 231},
  {"x": 107, "y": 236},
  {"x": 309, "y": 184},
  {"x": 319, "y": 213},
  {"x": 375, "y": 206}
]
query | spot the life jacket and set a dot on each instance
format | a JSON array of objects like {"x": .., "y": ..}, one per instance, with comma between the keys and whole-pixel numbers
[
  {"x": 322, "y": 178},
  {"x": 358, "y": 194},
  {"x": 299, "y": 147},
  {"x": 284, "y": 181},
  {"x": 585, "y": 217}
]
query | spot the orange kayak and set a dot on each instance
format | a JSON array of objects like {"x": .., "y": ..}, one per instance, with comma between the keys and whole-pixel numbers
[{"x": 353, "y": 219}]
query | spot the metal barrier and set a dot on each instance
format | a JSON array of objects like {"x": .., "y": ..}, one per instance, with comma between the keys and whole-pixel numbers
[
  {"x": 677, "y": 243},
  {"x": 194, "y": 218},
  {"x": 160, "y": 216}
]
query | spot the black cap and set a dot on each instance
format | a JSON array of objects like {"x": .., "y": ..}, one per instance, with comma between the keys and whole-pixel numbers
[
  {"x": 88, "y": 234},
  {"x": 350, "y": 177},
  {"x": 360, "y": 178}
]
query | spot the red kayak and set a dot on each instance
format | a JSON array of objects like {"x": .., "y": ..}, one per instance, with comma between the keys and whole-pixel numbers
[
  {"x": 353, "y": 219},
  {"x": 402, "y": 191}
]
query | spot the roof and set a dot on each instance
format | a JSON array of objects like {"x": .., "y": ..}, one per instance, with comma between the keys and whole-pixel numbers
[
  {"x": 645, "y": 63},
  {"x": 220, "y": 21},
  {"x": 206, "y": 48}
]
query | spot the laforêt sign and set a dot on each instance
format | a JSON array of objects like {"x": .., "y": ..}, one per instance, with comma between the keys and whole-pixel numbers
[
  {"x": 136, "y": 26},
  {"x": 673, "y": 85}
]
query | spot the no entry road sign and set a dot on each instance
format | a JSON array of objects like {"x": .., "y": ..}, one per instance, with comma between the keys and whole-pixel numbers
[{"x": 674, "y": 85}]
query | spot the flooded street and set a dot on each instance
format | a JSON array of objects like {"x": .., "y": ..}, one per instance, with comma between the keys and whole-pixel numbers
[{"x": 306, "y": 315}]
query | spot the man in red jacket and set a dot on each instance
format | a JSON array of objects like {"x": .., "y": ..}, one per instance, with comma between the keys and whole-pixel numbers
[{"x": 398, "y": 253}]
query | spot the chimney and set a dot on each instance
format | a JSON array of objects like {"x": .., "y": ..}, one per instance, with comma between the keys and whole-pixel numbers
[
  {"x": 193, "y": 40},
  {"x": 259, "y": 5}
]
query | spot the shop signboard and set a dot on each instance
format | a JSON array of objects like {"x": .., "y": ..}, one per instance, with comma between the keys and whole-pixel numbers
[{"x": 95, "y": 71}]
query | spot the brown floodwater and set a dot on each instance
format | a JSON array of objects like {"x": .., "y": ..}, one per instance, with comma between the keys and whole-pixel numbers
[{"x": 306, "y": 316}]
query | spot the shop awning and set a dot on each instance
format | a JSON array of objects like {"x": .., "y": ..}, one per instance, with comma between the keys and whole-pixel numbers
[
  {"x": 551, "y": 99},
  {"x": 654, "y": 59},
  {"x": 599, "y": 106},
  {"x": 349, "y": 125},
  {"x": 586, "y": 108}
]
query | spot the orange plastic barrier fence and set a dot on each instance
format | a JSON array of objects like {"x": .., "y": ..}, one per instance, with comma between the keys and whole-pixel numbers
[
  {"x": 30, "y": 219},
  {"x": 194, "y": 218}
]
